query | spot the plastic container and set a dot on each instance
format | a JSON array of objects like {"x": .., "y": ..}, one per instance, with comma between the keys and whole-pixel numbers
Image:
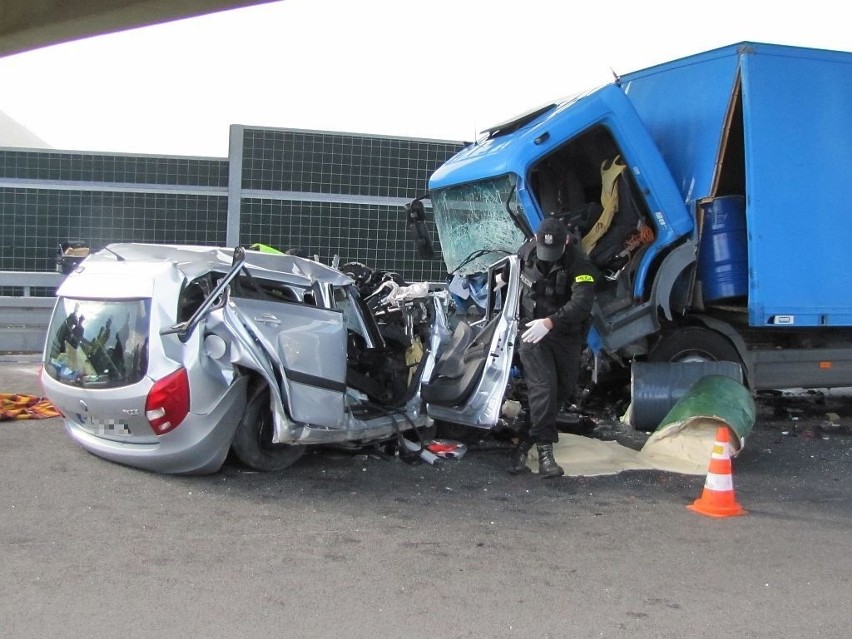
[
  {"x": 723, "y": 249},
  {"x": 718, "y": 397}
]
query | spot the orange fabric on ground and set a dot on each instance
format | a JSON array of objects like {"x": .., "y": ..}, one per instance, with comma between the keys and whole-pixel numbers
[{"x": 15, "y": 406}]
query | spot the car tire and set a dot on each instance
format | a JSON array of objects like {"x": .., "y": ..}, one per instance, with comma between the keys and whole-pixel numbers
[{"x": 252, "y": 443}]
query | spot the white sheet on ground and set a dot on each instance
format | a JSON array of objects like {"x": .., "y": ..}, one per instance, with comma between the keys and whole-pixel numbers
[{"x": 682, "y": 447}]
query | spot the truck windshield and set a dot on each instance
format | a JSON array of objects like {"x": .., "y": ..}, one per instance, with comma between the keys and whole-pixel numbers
[{"x": 474, "y": 217}]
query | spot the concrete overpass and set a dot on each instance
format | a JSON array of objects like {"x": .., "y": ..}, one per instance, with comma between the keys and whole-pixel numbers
[{"x": 31, "y": 24}]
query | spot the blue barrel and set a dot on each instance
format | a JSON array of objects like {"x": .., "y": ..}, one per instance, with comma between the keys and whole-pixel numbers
[
  {"x": 655, "y": 387},
  {"x": 723, "y": 250}
]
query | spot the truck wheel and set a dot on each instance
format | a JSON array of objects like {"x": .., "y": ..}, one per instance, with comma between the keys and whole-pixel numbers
[
  {"x": 694, "y": 344},
  {"x": 253, "y": 441}
]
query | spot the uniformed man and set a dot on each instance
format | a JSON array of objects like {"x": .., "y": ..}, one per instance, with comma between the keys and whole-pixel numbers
[{"x": 557, "y": 291}]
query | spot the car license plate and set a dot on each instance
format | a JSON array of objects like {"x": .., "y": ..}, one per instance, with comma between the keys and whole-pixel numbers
[{"x": 104, "y": 427}]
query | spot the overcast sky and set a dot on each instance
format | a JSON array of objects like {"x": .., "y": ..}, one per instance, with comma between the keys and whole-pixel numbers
[{"x": 443, "y": 69}]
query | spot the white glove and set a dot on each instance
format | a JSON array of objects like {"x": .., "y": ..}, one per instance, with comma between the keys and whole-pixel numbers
[
  {"x": 536, "y": 330},
  {"x": 499, "y": 282}
]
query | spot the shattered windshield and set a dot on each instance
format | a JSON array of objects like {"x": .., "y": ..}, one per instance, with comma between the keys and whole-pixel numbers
[
  {"x": 98, "y": 343},
  {"x": 474, "y": 217}
]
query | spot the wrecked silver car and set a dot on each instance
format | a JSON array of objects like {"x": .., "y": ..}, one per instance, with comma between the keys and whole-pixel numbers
[{"x": 168, "y": 357}]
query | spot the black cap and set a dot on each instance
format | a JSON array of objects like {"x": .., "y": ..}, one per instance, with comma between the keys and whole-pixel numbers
[{"x": 550, "y": 240}]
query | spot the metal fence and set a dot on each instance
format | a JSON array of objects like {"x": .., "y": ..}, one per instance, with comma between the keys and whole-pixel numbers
[{"x": 334, "y": 195}]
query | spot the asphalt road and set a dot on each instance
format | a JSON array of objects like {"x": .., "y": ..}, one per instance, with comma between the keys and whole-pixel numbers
[{"x": 357, "y": 545}]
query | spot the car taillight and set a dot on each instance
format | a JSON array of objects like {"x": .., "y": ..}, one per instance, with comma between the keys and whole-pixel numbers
[{"x": 168, "y": 402}]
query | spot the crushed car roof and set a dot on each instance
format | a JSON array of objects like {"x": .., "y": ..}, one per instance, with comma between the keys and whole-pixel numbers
[{"x": 193, "y": 261}]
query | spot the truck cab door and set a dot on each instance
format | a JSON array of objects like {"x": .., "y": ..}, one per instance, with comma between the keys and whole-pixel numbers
[{"x": 472, "y": 370}]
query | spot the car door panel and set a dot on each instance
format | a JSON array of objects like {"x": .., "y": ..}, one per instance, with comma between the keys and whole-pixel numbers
[
  {"x": 308, "y": 345},
  {"x": 470, "y": 377}
]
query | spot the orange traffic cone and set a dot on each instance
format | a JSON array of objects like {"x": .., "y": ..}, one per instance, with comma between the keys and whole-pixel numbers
[{"x": 718, "y": 498}]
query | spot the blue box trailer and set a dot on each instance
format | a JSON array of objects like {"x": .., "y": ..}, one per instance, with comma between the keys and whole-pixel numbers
[
  {"x": 711, "y": 193},
  {"x": 796, "y": 111}
]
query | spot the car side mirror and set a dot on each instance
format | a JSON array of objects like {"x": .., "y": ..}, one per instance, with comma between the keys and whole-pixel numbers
[{"x": 416, "y": 219}]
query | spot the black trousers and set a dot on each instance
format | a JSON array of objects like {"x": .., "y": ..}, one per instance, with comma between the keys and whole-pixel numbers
[{"x": 551, "y": 369}]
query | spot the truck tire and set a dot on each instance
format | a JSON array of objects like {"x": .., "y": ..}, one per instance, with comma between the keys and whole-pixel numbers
[
  {"x": 253, "y": 440},
  {"x": 694, "y": 344}
]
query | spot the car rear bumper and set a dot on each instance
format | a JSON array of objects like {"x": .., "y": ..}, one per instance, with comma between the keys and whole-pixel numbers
[{"x": 198, "y": 446}]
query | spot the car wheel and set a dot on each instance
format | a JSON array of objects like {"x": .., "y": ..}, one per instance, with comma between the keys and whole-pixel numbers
[
  {"x": 694, "y": 344},
  {"x": 253, "y": 441}
]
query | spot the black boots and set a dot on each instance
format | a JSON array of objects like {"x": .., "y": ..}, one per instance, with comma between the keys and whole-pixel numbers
[
  {"x": 547, "y": 466},
  {"x": 518, "y": 458}
]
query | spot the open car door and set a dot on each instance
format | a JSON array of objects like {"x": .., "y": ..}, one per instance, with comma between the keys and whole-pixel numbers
[
  {"x": 307, "y": 345},
  {"x": 471, "y": 374}
]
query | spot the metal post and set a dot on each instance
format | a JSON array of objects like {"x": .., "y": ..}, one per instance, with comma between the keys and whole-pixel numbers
[{"x": 235, "y": 184}]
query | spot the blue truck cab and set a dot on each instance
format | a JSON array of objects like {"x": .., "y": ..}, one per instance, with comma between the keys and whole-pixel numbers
[{"x": 710, "y": 193}]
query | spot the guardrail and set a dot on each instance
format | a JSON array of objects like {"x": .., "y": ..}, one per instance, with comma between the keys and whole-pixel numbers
[
  {"x": 30, "y": 279},
  {"x": 24, "y": 318}
]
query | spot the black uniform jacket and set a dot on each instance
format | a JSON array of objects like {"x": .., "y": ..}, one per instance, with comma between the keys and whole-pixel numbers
[{"x": 562, "y": 291}]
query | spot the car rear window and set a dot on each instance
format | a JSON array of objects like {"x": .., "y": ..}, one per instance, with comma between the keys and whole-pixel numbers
[{"x": 98, "y": 343}]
